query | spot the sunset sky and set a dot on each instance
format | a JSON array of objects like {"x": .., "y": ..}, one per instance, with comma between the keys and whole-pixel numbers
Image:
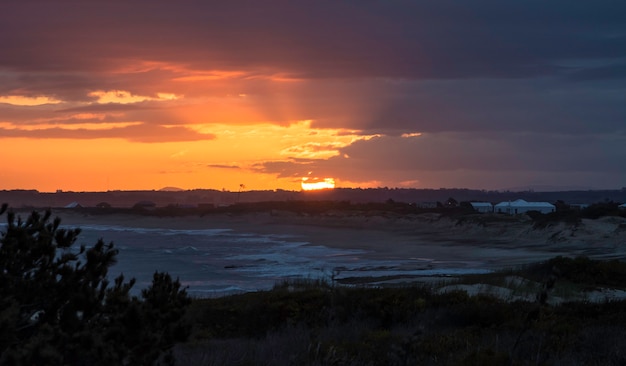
[{"x": 104, "y": 95}]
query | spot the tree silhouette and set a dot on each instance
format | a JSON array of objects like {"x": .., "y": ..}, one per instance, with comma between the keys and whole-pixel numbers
[
  {"x": 241, "y": 188},
  {"x": 451, "y": 202},
  {"x": 58, "y": 307}
]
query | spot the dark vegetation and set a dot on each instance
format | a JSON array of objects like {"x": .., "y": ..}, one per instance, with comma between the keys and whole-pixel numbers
[
  {"x": 564, "y": 213},
  {"x": 308, "y": 208},
  {"x": 462, "y": 212},
  {"x": 57, "y": 306},
  {"x": 32, "y": 198},
  {"x": 582, "y": 271},
  {"x": 601, "y": 209},
  {"x": 299, "y": 207},
  {"x": 316, "y": 323}
]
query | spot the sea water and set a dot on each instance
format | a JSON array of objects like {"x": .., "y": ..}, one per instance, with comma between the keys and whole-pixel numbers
[{"x": 217, "y": 262}]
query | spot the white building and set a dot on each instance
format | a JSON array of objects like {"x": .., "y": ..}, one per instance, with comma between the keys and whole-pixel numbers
[
  {"x": 484, "y": 207},
  {"x": 520, "y": 206}
]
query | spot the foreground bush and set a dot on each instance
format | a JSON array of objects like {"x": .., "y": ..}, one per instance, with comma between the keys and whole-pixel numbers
[
  {"x": 322, "y": 324},
  {"x": 57, "y": 306}
]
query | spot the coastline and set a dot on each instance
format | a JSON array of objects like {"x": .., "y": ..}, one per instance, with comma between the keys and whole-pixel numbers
[
  {"x": 500, "y": 244},
  {"x": 222, "y": 254}
]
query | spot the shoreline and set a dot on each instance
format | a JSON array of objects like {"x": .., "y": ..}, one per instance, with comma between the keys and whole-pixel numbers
[
  {"x": 417, "y": 236},
  {"x": 360, "y": 250}
]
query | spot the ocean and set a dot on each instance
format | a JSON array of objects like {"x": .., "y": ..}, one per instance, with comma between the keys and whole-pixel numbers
[{"x": 218, "y": 262}]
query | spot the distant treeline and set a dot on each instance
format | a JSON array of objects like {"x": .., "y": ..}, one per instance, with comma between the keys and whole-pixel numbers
[
  {"x": 32, "y": 198},
  {"x": 450, "y": 207},
  {"x": 278, "y": 207}
]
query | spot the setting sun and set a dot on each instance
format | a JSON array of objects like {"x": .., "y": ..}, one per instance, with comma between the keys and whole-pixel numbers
[{"x": 309, "y": 184}]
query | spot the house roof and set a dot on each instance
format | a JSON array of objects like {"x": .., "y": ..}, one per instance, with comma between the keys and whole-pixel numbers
[
  {"x": 523, "y": 203},
  {"x": 481, "y": 204}
]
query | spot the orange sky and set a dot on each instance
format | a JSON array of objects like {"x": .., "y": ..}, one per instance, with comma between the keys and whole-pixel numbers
[
  {"x": 201, "y": 141},
  {"x": 101, "y": 96}
]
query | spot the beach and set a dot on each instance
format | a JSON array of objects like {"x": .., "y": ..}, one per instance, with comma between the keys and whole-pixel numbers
[{"x": 224, "y": 253}]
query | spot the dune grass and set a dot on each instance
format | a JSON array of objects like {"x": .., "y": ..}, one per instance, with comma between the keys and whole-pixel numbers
[{"x": 322, "y": 323}]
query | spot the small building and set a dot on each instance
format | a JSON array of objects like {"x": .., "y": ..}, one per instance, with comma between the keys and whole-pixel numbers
[
  {"x": 484, "y": 207},
  {"x": 520, "y": 206},
  {"x": 73, "y": 205}
]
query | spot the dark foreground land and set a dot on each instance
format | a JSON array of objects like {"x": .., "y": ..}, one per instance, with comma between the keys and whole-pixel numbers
[
  {"x": 321, "y": 324},
  {"x": 316, "y": 323}
]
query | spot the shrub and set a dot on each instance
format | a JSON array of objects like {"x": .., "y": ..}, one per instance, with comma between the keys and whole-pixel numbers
[{"x": 58, "y": 307}]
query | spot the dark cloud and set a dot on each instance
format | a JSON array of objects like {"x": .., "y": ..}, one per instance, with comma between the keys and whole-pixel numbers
[
  {"x": 485, "y": 106},
  {"x": 136, "y": 133},
  {"x": 222, "y": 166},
  {"x": 107, "y": 107},
  {"x": 402, "y": 39},
  {"x": 23, "y": 115},
  {"x": 50, "y": 114},
  {"x": 485, "y": 65},
  {"x": 608, "y": 72},
  {"x": 519, "y": 159},
  {"x": 293, "y": 168}
]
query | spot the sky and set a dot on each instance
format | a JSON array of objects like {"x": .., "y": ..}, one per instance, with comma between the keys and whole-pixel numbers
[{"x": 485, "y": 94}]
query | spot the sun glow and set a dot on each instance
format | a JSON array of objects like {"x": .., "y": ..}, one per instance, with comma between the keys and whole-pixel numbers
[
  {"x": 309, "y": 184},
  {"x": 171, "y": 126}
]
